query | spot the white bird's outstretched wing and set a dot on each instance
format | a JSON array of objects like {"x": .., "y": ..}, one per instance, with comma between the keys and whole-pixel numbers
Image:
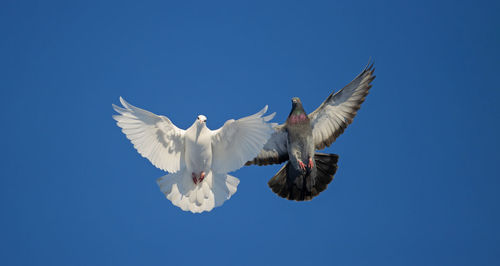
[
  {"x": 239, "y": 141},
  {"x": 339, "y": 109},
  {"x": 155, "y": 137}
]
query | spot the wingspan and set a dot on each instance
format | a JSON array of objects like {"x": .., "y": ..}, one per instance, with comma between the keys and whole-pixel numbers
[
  {"x": 275, "y": 151},
  {"x": 239, "y": 141},
  {"x": 334, "y": 115},
  {"x": 155, "y": 137}
]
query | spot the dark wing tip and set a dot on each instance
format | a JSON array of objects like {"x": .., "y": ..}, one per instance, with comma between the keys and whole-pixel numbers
[{"x": 370, "y": 63}]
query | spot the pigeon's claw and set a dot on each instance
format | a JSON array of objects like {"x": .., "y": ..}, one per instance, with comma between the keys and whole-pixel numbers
[
  {"x": 195, "y": 179},
  {"x": 302, "y": 165},
  {"x": 311, "y": 164}
]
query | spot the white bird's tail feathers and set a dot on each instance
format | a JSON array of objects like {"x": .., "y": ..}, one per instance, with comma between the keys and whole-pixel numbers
[{"x": 180, "y": 189}]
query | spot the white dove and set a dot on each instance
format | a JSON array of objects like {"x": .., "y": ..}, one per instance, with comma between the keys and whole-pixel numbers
[{"x": 198, "y": 159}]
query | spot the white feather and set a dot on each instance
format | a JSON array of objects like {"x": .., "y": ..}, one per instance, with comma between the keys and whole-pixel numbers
[
  {"x": 149, "y": 132},
  {"x": 240, "y": 141}
]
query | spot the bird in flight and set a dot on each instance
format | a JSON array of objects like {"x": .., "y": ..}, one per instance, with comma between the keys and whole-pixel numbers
[
  {"x": 308, "y": 173},
  {"x": 198, "y": 159}
]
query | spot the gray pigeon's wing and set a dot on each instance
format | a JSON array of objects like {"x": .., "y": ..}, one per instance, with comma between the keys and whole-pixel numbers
[
  {"x": 275, "y": 150},
  {"x": 339, "y": 109}
]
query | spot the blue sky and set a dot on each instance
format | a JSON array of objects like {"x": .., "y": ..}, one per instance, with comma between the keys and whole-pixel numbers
[{"x": 417, "y": 182}]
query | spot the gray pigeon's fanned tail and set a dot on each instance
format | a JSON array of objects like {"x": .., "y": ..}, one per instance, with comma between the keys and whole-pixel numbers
[{"x": 292, "y": 184}]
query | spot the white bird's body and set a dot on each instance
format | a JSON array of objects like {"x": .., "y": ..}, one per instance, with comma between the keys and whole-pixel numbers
[
  {"x": 198, "y": 158},
  {"x": 198, "y": 142}
]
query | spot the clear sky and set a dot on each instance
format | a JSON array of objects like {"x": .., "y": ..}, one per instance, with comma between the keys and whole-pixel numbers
[{"x": 417, "y": 182}]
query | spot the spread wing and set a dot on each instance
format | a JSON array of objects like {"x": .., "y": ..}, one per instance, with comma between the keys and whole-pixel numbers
[
  {"x": 239, "y": 141},
  {"x": 154, "y": 137},
  {"x": 334, "y": 115},
  {"x": 275, "y": 151}
]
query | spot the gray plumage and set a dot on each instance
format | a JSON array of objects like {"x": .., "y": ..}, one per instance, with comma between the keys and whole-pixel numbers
[{"x": 307, "y": 173}]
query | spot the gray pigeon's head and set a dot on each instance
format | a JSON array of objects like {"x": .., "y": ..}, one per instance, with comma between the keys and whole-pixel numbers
[
  {"x": 295, "y": 101},
  {"x": 202, "y": 118},
  {"x": 297, "y": 108}
]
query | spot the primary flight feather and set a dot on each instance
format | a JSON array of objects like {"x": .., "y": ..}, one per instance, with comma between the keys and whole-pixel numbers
[
  {"x": 307, "y": 173},
  {"x": 198, "y": 159}
]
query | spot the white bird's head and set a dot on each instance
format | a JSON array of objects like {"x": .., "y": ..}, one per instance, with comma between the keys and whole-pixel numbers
[{"x": 202, "y": 119}]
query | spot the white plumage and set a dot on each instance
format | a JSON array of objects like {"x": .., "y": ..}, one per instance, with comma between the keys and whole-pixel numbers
[{"x": 197, "y": 158}]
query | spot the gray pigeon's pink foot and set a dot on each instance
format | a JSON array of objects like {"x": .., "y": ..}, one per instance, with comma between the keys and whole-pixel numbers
[
  {"x": 202, "y": 176},
  {"x": 195, "y": 179},
  {"x": 311, "y": 164},
  {"x": 302, "y": 165}
]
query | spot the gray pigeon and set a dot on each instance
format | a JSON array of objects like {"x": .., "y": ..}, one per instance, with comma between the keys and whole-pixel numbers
[{"x": 307, "y": 173}]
